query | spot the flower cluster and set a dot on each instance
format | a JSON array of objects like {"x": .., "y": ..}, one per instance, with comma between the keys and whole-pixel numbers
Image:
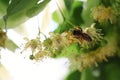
[
  {"x": 36, "y": 47},
  {"x": 33, "y": 44},
  {"x": 94, "y": 57},
  {"x": 102, "y": 14},
  {"x": 56, "y": 42},
  {"x": 54, "y": 45},
  {"x": 94, "y": 33}
]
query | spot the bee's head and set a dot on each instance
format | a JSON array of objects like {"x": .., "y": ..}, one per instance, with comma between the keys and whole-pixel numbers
[{"x": 77, "y": 31}]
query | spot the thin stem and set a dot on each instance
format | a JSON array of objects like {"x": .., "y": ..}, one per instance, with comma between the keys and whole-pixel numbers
[
  {"x": 64, "y": 18},
  {"x": 38, "y": 26},
  {"x": 39, "y": 32},
  {"x": 5, "y": 20}
]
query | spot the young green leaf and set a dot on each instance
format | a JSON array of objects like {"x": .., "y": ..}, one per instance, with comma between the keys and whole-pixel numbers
[{"x": 10, "y": 45}]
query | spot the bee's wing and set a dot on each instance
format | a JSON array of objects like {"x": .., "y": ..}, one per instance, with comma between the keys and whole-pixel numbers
[{"x": 86, "y": 37}]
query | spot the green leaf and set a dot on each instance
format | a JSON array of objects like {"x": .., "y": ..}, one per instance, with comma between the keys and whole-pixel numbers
[
  {"x": 113, "y": 72},
  {"x": 87, "y": 75},
  {"x": 57, "y": 17},
  {"x": 3, "y": 7},
  {"x": 110, "y": 70},
  {"x": 73, "y": 48},
  {"x": 19, "y": 11},
  {"x": 17, "y": 6},
  {"x": 76, "y": 11},
  {"x": 68, "y": 4},
  {"x": 74, "y": 75},
  {"x": 37, "y": 8},
  {"x": 10, "y": 45}
]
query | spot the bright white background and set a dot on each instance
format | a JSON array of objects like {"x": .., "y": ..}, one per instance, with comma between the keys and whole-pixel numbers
[{"x": 21, "y": 68}]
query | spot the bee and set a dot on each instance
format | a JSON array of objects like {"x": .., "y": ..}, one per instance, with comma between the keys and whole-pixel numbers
[{"x": 79, "y": 34}]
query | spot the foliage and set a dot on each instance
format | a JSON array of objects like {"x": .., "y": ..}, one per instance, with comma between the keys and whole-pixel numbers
[{"x": 18, "y": 11}]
